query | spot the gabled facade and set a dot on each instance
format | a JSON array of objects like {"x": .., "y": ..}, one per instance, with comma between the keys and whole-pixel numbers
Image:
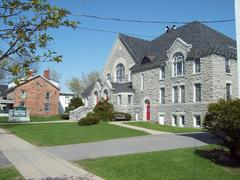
[
  {"x": 170, "y": 79},
  {"x": 38, "y": 94}
]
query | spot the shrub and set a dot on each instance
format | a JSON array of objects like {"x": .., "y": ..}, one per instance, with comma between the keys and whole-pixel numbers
[
  {"x": 90, "y": 119},
  {"x": 64, "y": 116},
  {"x": 128, "y": 116},
  {"x": 74, "y": 103},
  {"x": 104, "y": 110},
  {"x": 223, "y": 120}
]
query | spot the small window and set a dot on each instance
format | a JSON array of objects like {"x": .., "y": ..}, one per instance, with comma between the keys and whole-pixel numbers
[
  {"x": 175, "y": 94},
  {"x": 228, "y": 91},
  {"x": 67, "y": 100},
  {"x": 23, "y": 94},
  {"x": 162, "y": 95},
  {"x": 197, "y": 121},
  {"x": 162, "y": 73},
  {"x": 47, "y": 107},
  {"x": 198, "y": 92},
  {"x": 197, "y": 65},
  {"x": 109, "y": 77},
  {"x": 182, "y": 120},
  {"x": 145, "y": 60},
  {"x": 142, "y": 81},
  {"x": 22, "y": 104},
  {"x": 47, "y": 96},
  {"x": 119, "y": 99},
  {"x": 129, "y": 99},
  {"x": 174, "y": 120},
  {"x": 182, "y": 95},
  {"x": 227, "y": 66}
]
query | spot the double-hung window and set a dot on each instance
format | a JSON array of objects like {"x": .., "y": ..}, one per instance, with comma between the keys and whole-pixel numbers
[
  {"x": 178, "y": 64},
  {"x": 198, "y": 92},
  {"x": 162, "y": 95},
  {"x": 228, "y": 91},
  {"x": 162, "y": 73},
  {"x": 175, "y": 94},
  {"x": 227, "y": 66},
  {"x": 197, "y": 65}
]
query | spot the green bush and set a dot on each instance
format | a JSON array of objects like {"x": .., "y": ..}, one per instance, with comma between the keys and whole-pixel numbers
[
  {"x": 90, "y": 119},
  {"x": 104, "y": 110},
  {"x": 74, "y": 103},
  {"x": 64, "y": 116},
  {"x": 223, "y": 120}
]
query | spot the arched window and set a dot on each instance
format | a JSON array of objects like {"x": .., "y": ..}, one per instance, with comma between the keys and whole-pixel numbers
[
  {"x": 178, "y": 64},
  {"x": 109, "y": 77},
  {"x": 105, "y": 92},
  {"x": 120, "y": 72}
]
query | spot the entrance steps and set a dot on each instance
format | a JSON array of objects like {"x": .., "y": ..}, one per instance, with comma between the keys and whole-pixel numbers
[{"x": 79, "y": 113}]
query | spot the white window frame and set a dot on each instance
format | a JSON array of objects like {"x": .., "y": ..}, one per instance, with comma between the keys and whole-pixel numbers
[
  {"x": 174, "y": 65},
  {"x": 230, "y": 90},
  {"x": 194, "y": 66},
  {"x": 142, "y": 81},
  {"x": 181, "y": 120},
  {"x": 160, "y": 95},
  {"x": 130, "y": 95},
  {"x": 161, "y": 73},
  {"x": 195, "y": 120},
  {"x": 229, "y": 64},
  {"x": 173, "y": 119},
  {"x": 180, "y": 94},
  {"x": 119, "y": 99},
  {"x": 194, "y": 92},
  {"x": 173, "y": 94}
]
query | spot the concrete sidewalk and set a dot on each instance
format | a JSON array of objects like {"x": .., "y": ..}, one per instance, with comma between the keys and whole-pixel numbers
[
  {"x": 130, "y": 145},
  {"x": 34, "y": 163},
  {"x": 149, "y": 131}
]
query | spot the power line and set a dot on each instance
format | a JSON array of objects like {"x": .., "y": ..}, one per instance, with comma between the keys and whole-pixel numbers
[
  {"x": 150, "y": 21},
  {"x": 115, "y": 32}
]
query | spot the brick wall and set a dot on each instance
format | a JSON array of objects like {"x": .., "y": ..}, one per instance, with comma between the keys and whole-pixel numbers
[{"x": 35, "y": 99}]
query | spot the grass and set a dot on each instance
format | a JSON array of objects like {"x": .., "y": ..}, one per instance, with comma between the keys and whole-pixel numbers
[
  {"x": 36, "y": 118},
  {"x": 9, "y": 173},
  {"x": 69, "y": 133},
  {"x": 165, "y": 128},
  {"x": 181, "y": 164}
]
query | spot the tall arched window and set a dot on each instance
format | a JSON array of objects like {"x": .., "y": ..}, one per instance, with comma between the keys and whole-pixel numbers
[
  {"x": 120, "y": 72},
  {"x": 178, "y": 64}
]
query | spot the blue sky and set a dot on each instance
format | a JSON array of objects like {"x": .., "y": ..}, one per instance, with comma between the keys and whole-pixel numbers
[{"x": 85, "y": 51}]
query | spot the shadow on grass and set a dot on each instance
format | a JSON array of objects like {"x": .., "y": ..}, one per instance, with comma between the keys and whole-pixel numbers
[
  {"x": 218, "y": 156},
  {"x": 203, "y": 137}
]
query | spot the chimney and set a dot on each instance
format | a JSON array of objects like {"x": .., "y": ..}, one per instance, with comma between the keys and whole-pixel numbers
[
  {"x": 30, "y": 73},
  {"x": 46, "y": 74}
]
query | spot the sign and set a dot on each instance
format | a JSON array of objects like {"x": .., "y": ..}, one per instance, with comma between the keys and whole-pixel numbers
[{"x": 19, "y": 112}]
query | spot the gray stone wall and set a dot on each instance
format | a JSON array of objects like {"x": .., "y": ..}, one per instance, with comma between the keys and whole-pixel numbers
[{"x": 119, "y": 54}]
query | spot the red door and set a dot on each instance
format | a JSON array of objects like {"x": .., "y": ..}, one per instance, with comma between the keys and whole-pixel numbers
[
  {"x": 148, "y": 112},
  {"x": 97, "y": 100}
]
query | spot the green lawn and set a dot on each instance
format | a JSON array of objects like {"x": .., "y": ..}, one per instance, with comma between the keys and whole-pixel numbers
[
  {"x": 69, "y": 133},
  {"x": 35, "y": 119},
  {"x": 165, "y": 128},
  {"x": 182, "y": 164},
  {"x": 9, "y": 173}
]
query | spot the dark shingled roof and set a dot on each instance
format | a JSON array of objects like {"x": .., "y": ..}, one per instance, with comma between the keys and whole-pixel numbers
[
  {"x": 3, "y": 90},
  {"x": 87, "y": 91},
  {"x": 122, "y": 87},
  {"x": 135, "y": 46},
  {"x": 204, "y": 41}
]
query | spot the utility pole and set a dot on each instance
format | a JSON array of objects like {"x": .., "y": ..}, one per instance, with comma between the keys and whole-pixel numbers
[{"x": 237, "y": 21}]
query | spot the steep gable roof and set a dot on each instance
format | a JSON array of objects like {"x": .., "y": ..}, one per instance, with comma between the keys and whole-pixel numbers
[
  {"x": 204, "y": 40},
  {"x": 54, "y": 84}
]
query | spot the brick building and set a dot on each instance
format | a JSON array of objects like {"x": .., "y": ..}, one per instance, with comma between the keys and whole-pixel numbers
[
  {"x": 37, "y": 93},
  {"x": 170, "y": 79}
]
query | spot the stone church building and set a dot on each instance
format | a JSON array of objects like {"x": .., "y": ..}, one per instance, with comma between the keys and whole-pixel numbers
[{"x": 170, "y": 79}]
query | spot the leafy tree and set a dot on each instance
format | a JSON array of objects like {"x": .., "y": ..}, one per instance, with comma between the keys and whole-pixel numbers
[
  {"x": 104, "y": 110},
  {"x": 223, "y": 120},
  {"x": 74, "y": 103},
  {"x": 77, "y": 85},
  {"x": 23, "y": 33}
]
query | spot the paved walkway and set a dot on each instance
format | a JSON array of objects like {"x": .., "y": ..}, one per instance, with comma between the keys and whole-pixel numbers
[
  {"x": 34, "y": 163},
  {"x": 130, "y": 145},
  {"x": 149, "y": 131},
  {"x": 3, "y": 160}
]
